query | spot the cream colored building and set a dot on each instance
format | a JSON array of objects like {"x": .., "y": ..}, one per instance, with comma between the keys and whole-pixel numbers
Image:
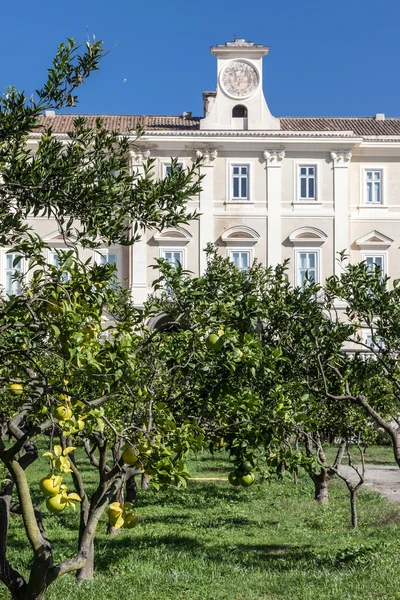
[{"x": 274, "y": 188}]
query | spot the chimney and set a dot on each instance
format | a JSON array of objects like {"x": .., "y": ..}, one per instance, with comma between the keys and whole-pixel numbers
[
  {"x": 380, "y": 117},
  {"x": 208, "y": 102},
  {"x": 187, "y": 114},
  {"x": 49, "y": 113}
]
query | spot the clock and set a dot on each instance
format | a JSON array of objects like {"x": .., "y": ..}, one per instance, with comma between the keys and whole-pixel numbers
[{"x": 239, "y": 79}]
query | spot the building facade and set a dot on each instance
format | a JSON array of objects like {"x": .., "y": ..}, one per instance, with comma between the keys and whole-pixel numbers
[{"x": 302, "y": 189}]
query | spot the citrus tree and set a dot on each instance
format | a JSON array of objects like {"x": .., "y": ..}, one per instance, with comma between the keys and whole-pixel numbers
[
  {"x": 255, "y": 347},
  {"x": 69, "y": 336},
  {"x": 368, "y": 379},
  {"x": 252, "y": 401}
]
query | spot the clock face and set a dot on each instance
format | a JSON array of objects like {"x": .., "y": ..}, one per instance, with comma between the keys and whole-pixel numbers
[{"x": 239, "y": 79}]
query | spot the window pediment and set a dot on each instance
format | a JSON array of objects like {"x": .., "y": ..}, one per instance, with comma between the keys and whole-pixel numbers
[
  {"x": 54, "y": 237},
  {"x": 308, "y": 235},
  {"x": 374, "y": 239},
  {"x": 240, "y": 235},
  {"x": 175, "y": 236}
]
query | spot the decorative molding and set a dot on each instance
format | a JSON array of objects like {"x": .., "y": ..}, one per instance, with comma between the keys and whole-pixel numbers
[
  {"x": 176, "y": 236},
  {"x": 374, "y": 239},
  {"x": 273, "y": 158},
  {"x": 138, "y": 157},
  {"x": 207, "y": 156},
  {"x": 240, "y": 235},
  {"x": 239, "y": 43},
  {"x": 308, "y": 235},
  {"x": 341, "y": 158},
  {"x": 239, "y": 79}
]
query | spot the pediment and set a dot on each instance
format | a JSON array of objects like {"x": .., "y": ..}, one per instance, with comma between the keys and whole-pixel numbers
[
  {"x": 54, "y": 237},
  {"x": 240, "y": 234},
  {"x": 174, "y": 236},
  {"x": 374, "y": 238},
  {"x": 308, "y": 235}
]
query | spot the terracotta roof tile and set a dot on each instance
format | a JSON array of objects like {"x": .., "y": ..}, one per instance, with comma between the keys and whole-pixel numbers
[
  {"x": 121, "y": 123},
  {"x": 360, "y": 126}
]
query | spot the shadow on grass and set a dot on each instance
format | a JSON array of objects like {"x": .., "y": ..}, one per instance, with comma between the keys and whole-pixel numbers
[
  {"x": 199, "y": 494},
  {"x": 111, "y": 553},
  {"x": 167, "y": 519},
  {"x": 271, "y": 557}
]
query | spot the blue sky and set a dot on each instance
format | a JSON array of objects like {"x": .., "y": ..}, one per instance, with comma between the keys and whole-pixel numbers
[{"x": 326, "y": 58}]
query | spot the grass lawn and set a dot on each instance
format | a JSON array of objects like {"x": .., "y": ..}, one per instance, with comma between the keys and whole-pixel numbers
[
  {"x": 375, "y": 455},
  {"x": 215, "y": 542}
]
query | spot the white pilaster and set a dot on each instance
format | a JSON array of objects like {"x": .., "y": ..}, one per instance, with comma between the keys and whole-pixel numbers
[
  {"x": 206, "y": 220},
  {"x": 273, "y": 162},
  {"x": 138, "y": 255},
  {"x": 340, "y": 164}
]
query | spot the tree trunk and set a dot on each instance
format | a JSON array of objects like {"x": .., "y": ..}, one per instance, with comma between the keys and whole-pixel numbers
[
  {"x": 131, "y": 490},
  {"x": 86, "y": 573},
  {"x": 145, "y": 481},
  {"x": 396, "y": 447},
  {"x": 321, "y": 481},
  {"x": 353, "y": 505}
]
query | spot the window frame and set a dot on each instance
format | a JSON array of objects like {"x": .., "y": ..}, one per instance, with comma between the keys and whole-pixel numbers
[
  {"x": 164, "y": 164},
  {"x": 107, "y": 251},
  {"x": 306, "y": 165},
  {"x": 247, "y": 250},
  {"x": 52, "y": 251},
  {"x": 164, "y": 249},
  {"x": 375, "y": 253},
  {"x": 318, "y": 267},
  {"x": 229, "y": 185},
  {"x": 363, "y": 185},
  {"x": 297, "y": 185},
  {"x": 4, "y": 269}
]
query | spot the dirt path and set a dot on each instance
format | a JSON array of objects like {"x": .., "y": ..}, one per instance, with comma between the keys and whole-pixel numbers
[{"x": 381, "y": 478}]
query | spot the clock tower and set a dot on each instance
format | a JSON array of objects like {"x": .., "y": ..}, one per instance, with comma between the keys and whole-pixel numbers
[{"x": 239, "y": 102}]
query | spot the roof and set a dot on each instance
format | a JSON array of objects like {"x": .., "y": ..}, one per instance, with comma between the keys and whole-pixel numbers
[
  {"x": 360, "y": 126},
  {"x": 121, "y": 123}
]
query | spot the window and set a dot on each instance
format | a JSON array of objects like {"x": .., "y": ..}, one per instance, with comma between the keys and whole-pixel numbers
[
  {"x": 239, "y": 111},
  {"x": 241, "y": 259},
  {"x": 240, "y": 182},
  {"x": 374, "y": 344},
  {"x": 55, "y": 261},
  {"x": 307, "y": 267},
  {"x": 307, "y": 182},
  {"x": 375, "y": 261},
  {"x": 13, "y": 267},
  {"x": 106, "y": 258},
  {"x": 173, "y": 257},
  {"x": 166, "y": 168},
  {"x": 373, "y": 187}
]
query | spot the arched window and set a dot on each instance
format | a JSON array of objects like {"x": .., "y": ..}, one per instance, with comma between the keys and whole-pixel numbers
[
  {"x": 239, "y": 241},
  {"x": 239, "y": 111},
  {"x": 307, "y": 242}
]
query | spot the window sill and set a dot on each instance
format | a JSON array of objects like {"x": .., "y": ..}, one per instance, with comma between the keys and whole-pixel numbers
[
  {"x": 307, "y": 202},
  {"x": 373, "y": 206},
  {"x": 250, "y": 202}
]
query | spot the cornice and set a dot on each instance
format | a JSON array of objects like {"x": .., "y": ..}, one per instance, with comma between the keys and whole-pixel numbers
[{"x": 251, "y": 134}]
